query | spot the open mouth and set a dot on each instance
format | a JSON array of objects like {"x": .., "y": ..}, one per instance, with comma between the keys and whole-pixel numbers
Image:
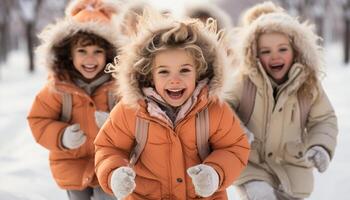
[
  {"x": 175, "y": 93},
  {"x": 90, "y": 68},
  {"x": 276, "y": 67}
]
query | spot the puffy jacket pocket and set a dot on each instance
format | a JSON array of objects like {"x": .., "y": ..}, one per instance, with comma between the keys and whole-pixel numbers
[
  {"x": 301, "y": 180},
  {"x": 294, "y": 153},
  {"x": 147, "y": 188}
]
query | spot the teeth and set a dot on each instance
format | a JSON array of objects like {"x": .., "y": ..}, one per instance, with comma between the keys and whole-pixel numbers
[
  {"x": 276, "y": 65},
  {"x": 174, "y": 90},
  {"x": 89, "y": 66}
]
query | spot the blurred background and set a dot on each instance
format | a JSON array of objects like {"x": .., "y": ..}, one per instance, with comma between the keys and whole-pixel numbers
[
  {"x": 24, "y": 169},
  {"x": 21, "y": 20}
]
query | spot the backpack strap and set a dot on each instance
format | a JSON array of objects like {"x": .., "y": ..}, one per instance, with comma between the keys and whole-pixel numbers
[
  {"x": 304, "y": 106},
  {"x": 202, "y": 133},
  {"x": 247, "y": 101},
  {"x": 141, "y": 134},
  {"x": 111, "y": 100},
  {"x": 66, "y": 107}
]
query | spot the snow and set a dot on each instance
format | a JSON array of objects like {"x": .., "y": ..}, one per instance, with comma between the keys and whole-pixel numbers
[{"x": 24, "y": 168}]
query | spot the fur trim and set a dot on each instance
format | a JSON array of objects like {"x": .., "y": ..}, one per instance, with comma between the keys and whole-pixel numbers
[
  {"x": 304, "y": 41},
  {"x": 223, "y": 19},
  {"x": 68, "y": 26},
  {"x": 256, "y": 11},
  {"x": 153, "y": 22},
  {"x": 129, "y": 19}
]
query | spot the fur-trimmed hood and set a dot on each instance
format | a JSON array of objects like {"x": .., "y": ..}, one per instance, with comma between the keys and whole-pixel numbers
[
  {"x": 153, "y": 23},
  {"x": 192, "y": 9},
  {"x": 304, "y": 41},
  {"x": 64, "y": 28}
]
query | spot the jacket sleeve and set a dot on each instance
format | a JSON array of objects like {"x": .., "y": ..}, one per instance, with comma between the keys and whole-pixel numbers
[
  {"x": 43, "y": 119},
  {"x": 230, "y": 147},
  {"x": 322, "y": 128},
  {"x": 234, "y": 94},
  {"x": 113, "y": 145}
]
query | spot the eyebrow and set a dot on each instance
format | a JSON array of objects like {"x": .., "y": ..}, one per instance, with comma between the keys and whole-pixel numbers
[
  {"x": 164, "y": 66},
  {"x": 187, "y": 64},
  {"x": 284, "y": 44}
]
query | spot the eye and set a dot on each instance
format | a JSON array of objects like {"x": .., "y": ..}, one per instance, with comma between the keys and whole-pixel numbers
[
  {"x": 284, "y": 49},
  {"x": 81, "y": 50},
  {"x": 264, "y": 52},
  {"x": 185, "y": 70},
  {"x": 163, "y": 71},
  {"x": 99, "y": 51}
]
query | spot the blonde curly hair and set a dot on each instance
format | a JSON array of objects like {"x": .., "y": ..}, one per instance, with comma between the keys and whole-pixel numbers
[
  {"x": 156, "y": 33},
  {"x": 179, "y": 37}
]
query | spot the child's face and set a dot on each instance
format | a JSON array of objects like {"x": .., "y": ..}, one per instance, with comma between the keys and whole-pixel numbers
[
  {"x": 276, "y": 55},
  {"x": 174, "y": 75},
  {"x": 88, "y": 60}
]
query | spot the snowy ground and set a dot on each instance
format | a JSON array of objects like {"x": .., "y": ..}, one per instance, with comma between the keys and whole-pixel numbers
[{"x": 24, "y": 171}]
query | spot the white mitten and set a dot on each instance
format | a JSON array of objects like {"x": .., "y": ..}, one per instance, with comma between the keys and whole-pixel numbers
[
  {"x": 257, "y": 190},
  {"x": 319, "y": 157},
  {"x": 205, "y": 179},
  {"x": 73, "y": 137},
  {"x": 123, "y": 182},
  {"x": 249, "y": 134},
  {"x": 101, "y": 117}
]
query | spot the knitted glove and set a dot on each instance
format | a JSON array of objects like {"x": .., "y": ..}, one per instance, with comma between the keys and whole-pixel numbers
[
  {"x": 73, "y": 137},
  {"x": 319, "y": 157},
  {"x": 101, "y": 117},
  {"x": 123, "y": 182},
  {"x": 205, "y": 179},
  {"x": 249, "y": 134}
]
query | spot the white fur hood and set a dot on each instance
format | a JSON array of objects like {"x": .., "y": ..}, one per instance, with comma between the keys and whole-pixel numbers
[
  {"x": 130, "y": 87},
  {"x": 304, "y": 41},
  {"x": 64, "y": 28}
]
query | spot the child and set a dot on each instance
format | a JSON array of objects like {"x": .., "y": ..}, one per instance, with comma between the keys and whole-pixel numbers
[
  {"x": 291, "y": 118},
  {"x": 76, "y": 50},
  {"x": 171, "y": 71}
]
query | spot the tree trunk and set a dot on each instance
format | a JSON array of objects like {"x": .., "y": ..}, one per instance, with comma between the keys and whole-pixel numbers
[
  {"x": 3, "y": 43},
  {"x": 30, "y": 45},
  {"x": 346, "y": 41},
  {"x": 346, "y": 9}
]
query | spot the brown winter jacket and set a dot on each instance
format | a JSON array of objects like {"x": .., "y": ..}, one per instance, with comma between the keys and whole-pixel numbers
[
  {"x": 72, "y": 169},
  {"x": 169, "y": 152}
]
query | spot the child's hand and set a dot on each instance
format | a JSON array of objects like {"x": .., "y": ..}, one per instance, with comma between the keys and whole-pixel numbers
[
  {"x": 73, "y": 137},
  {"x": 205, "y": 179},
  {"x": 123, "y": 182},
  {"x": 319, "y": 157},
  {"x": 101, "y": 117}
]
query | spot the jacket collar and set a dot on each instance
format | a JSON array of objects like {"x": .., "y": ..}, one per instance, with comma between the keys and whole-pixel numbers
[{"x": 158, "y": 108}]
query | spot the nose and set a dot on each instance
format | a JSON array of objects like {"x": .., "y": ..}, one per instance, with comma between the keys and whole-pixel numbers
[
  {"x": 274, "y": 55},
  {"x": 175, "y": 80},
  {"x": 90, "y": 57}
]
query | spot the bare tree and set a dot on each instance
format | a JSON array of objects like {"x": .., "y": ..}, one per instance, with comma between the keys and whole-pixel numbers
[
  {"x": 4, "y": 34},
  {"x": 29, "y": 10},
  {"x": 346, "y": 8}
]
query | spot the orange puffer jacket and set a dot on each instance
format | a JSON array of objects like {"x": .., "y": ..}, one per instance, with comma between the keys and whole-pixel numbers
[
  {"x": 72, "y": 169},
  {"x": 169, "y": 152}
]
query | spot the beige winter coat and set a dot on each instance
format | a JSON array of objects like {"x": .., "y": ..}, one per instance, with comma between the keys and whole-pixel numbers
[{"x": 278, "y": 151}]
